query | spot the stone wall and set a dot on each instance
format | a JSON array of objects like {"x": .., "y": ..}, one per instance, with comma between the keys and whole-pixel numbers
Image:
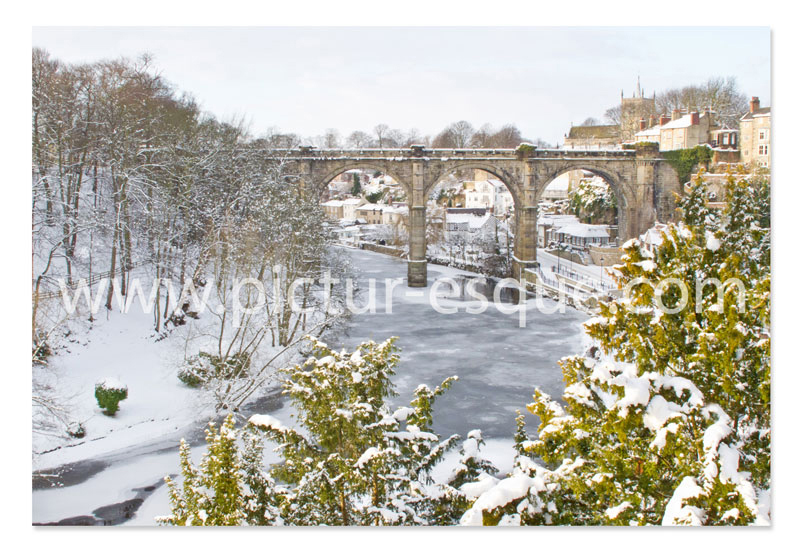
[{"x": 604, "y": 256}]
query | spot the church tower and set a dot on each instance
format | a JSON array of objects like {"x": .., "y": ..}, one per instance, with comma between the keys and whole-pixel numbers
[{"x": 634, "y": 110}]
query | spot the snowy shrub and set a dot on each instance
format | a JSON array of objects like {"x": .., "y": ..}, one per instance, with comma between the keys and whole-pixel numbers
[
  {"x": 205, "y": 367},
  {"x": 190, "y": 377},
  {"x": 212, "y": 494},
  {"x": 593, "y": 200},
  {"x": 109, "y": 393},
  {"x": 76, "y": 430}
]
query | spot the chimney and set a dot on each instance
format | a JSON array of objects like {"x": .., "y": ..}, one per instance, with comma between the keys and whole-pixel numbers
[
  {"x": 695, "y": 118},
  {"x": 642, "y": 124},
  {"x": 675, "y": 114},
  {"x": 652, "y": 121},
  {"x": 754, "y": 104},
  {"x": 663, "y": 120}
]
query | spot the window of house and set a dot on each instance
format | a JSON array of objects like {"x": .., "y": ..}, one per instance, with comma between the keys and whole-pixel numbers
[{"x": 762, "y": 135}]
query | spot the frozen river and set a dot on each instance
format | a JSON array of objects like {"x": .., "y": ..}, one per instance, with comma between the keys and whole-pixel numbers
[{"x": 498, "y": 363}]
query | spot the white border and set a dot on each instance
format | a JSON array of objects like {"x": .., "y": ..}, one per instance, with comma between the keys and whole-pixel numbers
[{"x": 786, "y": 234}]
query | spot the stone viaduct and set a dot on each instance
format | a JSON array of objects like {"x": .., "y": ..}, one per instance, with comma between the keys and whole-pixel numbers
[{"x": 644, "y": 184}]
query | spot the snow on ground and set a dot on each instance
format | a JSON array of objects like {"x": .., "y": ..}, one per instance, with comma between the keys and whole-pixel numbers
[
  {"x": 593, "y": 272},
  {"x": 122, "y": 347}
]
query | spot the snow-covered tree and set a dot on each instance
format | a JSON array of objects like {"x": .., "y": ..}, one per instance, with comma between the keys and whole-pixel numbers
[
  {"x": 720, "y": 340},
  {"x": 593, "y": 201},
  {"x": 626, "y": 449},
  {"x": 667, "y": 416},
  {"x": 212, "y": 493},
  {"x": 354, "y": 460}
]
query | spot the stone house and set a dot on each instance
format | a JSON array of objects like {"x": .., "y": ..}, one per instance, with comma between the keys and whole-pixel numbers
[
  {"x": 678, "y": 132},
  {"x": 488, "y": 193},
  {"x": 686, "y": 130},
  {"x": 548, "y": 225},
  {"x": 333, "y": 209},
  {"x": 755, "y": 128},
  {"x": 469, "y": 226},
  {"x": 350, "y": 207},
  {"x": 394, "y": 215},
  {"x": 370, "y": 213},
  {"x": 581, "y": 236},
  {"x": 593, "y": 137},
  {"x": 653, "y": 237}
]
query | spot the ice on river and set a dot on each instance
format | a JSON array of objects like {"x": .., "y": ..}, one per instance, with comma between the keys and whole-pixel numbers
[{"x": 497, "y": 362}]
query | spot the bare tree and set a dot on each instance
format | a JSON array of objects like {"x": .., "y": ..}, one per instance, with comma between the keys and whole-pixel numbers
[
  {"x": 331, "y": 138},
  {"x": 613, "y": 115},
  {"x": 720, "y": 94},
  {"x": 412, "y": 137},
  {"x": 381, "y": 131},
  {"x": 508, "y": 136},
  {"x": 456, "y": 135},
  {"x": 359, "y": 139}
]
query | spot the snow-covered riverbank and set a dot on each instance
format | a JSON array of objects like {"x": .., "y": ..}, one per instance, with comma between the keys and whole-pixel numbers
[{"x": 498, "y": 364}]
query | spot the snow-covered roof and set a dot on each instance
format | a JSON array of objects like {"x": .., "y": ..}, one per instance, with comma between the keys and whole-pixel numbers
[
  {"x": 652, "y": 131},
  {"x": 353, "y": 201},
  {"x": 371, "y": 207},
  {"x": 349, "y": 229},
  {"x": 654, "y": 235},
  {"x": 581, "y": 230},
  {"x": 333, "y": 203},
  {"x": 679, "y": 123},
  {"x": 594, "y": 131},
  {"x": 760, "y": 112},
  {"x": 474, "y": 221},
  {"x": 557, "y": 220}
]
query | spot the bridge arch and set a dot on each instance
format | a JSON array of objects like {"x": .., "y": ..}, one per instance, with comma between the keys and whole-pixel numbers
[
  {"x": 328, "y": 175},
  {"x": 500, "y": 173},
  {"x": 617, "y": 182}
]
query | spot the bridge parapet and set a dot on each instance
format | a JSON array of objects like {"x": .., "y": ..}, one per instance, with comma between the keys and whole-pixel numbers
[{"x": 419, "y": 153}]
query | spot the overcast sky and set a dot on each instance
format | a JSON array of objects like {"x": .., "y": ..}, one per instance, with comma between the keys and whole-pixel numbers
[{"x": 306, "y": 80}]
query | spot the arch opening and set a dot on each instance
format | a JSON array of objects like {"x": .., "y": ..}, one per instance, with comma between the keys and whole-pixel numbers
[
  {"x": 582, "y": 215},
  {"x": 366, "y": 203},
  {"x": 471, "y": 220}
]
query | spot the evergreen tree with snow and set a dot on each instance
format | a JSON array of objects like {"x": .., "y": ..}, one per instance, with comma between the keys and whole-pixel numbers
[
  {"x": 354, "y": 461},
  {"x": 356, "y": 187},
  {"x": 210, "y": 494},
  {"x": 720, "y": 340},
  {"x": 626, "y": 449},
  {"x": 667, "y": 417}
]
